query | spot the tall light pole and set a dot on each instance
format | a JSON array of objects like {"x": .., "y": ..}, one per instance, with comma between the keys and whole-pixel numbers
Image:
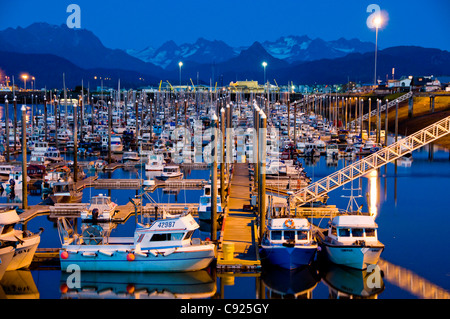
[
  {"x": 377, "y": 22},
  {"x": 180, "y": 64},
  {"x": 264, "y": 64},
  {"x": 25, "y": 77}
]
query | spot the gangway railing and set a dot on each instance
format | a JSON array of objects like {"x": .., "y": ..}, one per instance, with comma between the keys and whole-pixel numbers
[
  {"x": 382, "y": 108},
  {"x": 388, "y": 154}
]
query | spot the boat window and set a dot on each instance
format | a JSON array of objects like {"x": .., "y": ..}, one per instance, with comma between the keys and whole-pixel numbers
[
  {"x": 289, "y": 235},
  {"x": 344, "y": 232},
  {"x": 333, "y": 231},
  {"x": 276, "y": 235},
  {"x": 160, "y": 237},
  {"x": 176, "y": 236},
  {"x": 302, "y": 235},
  {"x": 357, "y": 232},
  {"x": 370, "y": 232},
  {"x": 189, "y": 234},
  {"x": 204, "y": 200},
  {"x": 8, "y": 228}
]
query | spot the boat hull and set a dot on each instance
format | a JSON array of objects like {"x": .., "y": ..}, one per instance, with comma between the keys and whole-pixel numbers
[
  {"x": 24, "y": 252},
  {"x": 6, "y": 255},
  {"x": 181, "y": 259},
  {"x": 358, "y": 257},
  {"x": 288, "y": 257}
]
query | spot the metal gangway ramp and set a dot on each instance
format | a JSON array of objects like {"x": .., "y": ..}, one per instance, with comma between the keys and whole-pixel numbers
[
  {"x": 382, "y": 108},
  {"x": 388, "y": 154}
]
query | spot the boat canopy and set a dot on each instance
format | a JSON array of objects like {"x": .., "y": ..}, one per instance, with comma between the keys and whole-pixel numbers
[
  {"x": 8, "y": 216},
  {"x": 288, "y": 223},
  {"x": 354, "y": 221}
]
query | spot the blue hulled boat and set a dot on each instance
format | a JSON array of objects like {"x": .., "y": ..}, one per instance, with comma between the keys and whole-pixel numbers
[{"x": 288, "y": 243}]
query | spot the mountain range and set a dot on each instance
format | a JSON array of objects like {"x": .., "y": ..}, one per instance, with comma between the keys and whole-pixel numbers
[
  {"x": 289, "y": 48},
  {"x": 47, "y": 51}
]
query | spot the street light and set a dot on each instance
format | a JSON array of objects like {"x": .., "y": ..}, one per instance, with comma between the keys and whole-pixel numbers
[
  {"x": 377, "y": 21},
  {"x": 180, "y": 64},
  {"x": 25, "y": 77},
  {"x": 264, "y": 64}
]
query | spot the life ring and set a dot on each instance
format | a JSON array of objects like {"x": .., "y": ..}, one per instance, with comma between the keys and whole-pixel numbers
[{"x": 289, "y": 223}]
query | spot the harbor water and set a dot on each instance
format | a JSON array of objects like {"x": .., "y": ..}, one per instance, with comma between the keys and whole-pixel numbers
[{"x": 411, "y": 210}]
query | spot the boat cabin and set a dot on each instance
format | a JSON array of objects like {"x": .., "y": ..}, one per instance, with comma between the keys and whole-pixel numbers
[
  {"x": 167, "y": 232},
  {"x": 8, "y": 219},
  {"x": 289, "y": 231},
  {"x": 349, "y": 229}
]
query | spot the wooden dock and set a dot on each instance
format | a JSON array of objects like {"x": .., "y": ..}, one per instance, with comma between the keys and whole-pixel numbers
[{"x": 240, "y": 227}]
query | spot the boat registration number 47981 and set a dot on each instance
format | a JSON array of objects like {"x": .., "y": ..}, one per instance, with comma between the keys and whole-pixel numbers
[{"x": 166, "y": 224}]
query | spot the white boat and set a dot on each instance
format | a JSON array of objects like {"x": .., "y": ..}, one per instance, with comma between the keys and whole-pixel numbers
[
  {"x": 288, "y": 242},
  {"x": 15, "y": 180},
  {"x": 352, "y": 241},
  {"x": 170, "y": 171},
  {"x": 332, "y": 150},
  {"x": 53, "y": 154},
  {"x": 101, "y": 208},
  {"x": 165, "y": 245},
  {"x": 130, "y": 156},
  {"x": 275, "y": 167},
  {"x": 24, "y": 242},
  {"x": 39, "y": 148},
  {"x": 116, "y": 144},
  {"x": 155, "y": 162},
  {"x": 6, "y": 169},
  {"x": 6, "y": 256},
  {"x": 204, "y": 207}
]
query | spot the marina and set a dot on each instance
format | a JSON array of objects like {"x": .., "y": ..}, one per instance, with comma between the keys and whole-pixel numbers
[
  {"x": 117, "y": 188},
  {"x": 241, "y": 246}
]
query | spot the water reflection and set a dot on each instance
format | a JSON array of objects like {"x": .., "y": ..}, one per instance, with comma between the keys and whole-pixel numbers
[
  {"x": 18, "y": 284},
  {"x": 110, "y": 285},
  {"x": 290, "y": 284},
  {"x": 344, "y": 282},
  {"x": 373, "y": 193}
]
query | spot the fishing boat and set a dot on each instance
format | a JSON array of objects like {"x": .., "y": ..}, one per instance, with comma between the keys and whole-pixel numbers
[
  {"x": 24, "y": 243},
  {"x": 155, "y": 162},
  {"x": 53, "y": 155},
  {"x": 170, "y": 171},
  {"x": 6, "y": 169},
  {"x": 204, "y": 207},
  {"x": 116, "y": 144},
  {"x": 101, "y": 208},
  {"x": 15, "y": 180},
  {"x": 164, "y": 245},
  {"x": 6, "y": 255},
  {"x": 332, "y": 150},
  {"x": 130, "y": 156},
  {"x": 97, "y": 165},
  {"x": 352, "y": 241},
  {"x": 288, "y": 242},
  {"x": 64, "y": 192}
]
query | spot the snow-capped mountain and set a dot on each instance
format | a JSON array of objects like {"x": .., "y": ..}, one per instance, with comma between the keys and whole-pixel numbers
[
  {"x": 290, "y": 49},
  {"x": 202, "y": 51},
  {"x": 302, "y": 48}
]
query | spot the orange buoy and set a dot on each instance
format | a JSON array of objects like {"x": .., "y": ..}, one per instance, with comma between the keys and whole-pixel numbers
[
  {"x": 130, "y": 289},
  {"x": 130, "y": 257},
  {"x": 64, "y": 255},
  {"x": 63, "y": 288}
]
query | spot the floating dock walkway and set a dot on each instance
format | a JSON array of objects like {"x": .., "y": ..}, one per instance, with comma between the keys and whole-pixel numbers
[{"x": 240, "y": 226}]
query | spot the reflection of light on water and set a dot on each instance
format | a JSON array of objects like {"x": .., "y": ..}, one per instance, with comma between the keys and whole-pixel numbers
[{"x": 373, "y": 193}]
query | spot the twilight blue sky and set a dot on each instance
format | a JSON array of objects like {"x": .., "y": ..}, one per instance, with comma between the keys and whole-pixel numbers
[{"x": 140, "y": 23}]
